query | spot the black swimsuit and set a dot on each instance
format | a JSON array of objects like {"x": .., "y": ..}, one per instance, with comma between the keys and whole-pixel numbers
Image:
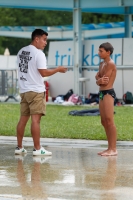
[{"x": 102, "y": 93}]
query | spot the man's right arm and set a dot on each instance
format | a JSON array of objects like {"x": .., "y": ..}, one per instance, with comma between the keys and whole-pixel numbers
[
  {"x": 41, "y": 65},
  {"x": 49, "y": 72}
]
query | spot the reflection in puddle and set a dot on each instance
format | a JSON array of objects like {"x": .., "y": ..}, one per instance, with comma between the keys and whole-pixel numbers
[
  {"x": 34, "y": 188},
  {"x": 68, "y": 177},
  {"x": 109, "y": 178},
  {"x": 71, "y": 173}
]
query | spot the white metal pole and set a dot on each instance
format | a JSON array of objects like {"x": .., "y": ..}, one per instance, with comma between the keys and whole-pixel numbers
[{"x": 77, "y": 41}]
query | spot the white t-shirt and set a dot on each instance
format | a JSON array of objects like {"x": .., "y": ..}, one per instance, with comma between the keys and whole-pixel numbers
[{"x": 29, "y": 60}]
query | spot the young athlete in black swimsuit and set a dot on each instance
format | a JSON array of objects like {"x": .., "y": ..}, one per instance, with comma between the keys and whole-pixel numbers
[{"x": 105, "y": 79}]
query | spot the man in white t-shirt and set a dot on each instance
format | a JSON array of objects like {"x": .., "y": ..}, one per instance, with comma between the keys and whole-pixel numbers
[{"x": 31, "y": 70}]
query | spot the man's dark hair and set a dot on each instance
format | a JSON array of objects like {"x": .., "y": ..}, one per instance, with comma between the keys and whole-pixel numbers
[
  {"x": 37, "y": 33},
  {"x": 107, "y": 46}
]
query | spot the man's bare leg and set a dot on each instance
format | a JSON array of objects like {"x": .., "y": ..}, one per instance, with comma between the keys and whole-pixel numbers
[
  {"x": 35, "y": 130},
  {"x": 20, "y": 129}
]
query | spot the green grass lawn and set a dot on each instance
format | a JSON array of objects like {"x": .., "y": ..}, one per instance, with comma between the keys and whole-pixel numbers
[{"x": 58, "y": 124}]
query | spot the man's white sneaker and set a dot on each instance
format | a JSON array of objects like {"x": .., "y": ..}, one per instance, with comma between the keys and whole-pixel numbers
[
  {"x": 41, "y": 152},
  {"x": 19, "y": 151}
]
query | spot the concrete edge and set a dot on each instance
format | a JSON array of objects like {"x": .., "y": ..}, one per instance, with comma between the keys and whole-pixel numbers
[{"x": 13, "y": 139}]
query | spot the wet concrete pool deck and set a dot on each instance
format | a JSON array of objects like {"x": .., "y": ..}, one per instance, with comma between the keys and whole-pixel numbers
[{"x": 73, "y": 172}]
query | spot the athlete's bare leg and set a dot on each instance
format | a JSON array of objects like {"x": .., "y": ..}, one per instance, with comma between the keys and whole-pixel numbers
[
  {"x": 106, "y": 107},
  {"x": 101, "y": 152},
  {"x": 101, "y": 108}
]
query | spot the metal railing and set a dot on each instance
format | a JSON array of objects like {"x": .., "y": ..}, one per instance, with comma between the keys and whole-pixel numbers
[{"x": 8, "y": 84}]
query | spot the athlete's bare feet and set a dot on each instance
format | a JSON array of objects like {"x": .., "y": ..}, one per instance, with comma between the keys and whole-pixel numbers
[
  {"x": 101, "y": 152},
  {"x": 110, "y": 153}
]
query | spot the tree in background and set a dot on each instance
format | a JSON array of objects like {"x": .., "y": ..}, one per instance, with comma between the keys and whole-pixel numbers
[{"x": 24, "y": 17}]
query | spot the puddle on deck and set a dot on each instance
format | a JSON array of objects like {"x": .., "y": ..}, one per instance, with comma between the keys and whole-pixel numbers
[{"x": 71, "y": 173}]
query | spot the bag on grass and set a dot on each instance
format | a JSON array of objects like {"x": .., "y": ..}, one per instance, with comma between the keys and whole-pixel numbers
[
  {"x": 68, "y": 94},
  {"x": 76, "y": 99},
  {"x": 128, "y": 98}
]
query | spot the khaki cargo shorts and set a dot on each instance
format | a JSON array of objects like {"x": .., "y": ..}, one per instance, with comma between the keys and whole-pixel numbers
[{"x": 32, "y": 103}]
